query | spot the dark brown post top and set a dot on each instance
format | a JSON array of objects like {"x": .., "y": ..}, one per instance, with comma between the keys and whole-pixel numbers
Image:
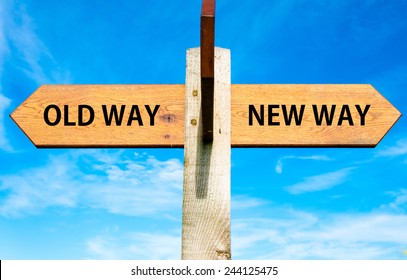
[
  {"x": 208, "y": 8},
  {"x": 207, "y": 66},
  {"x": 207, "y": 38}
]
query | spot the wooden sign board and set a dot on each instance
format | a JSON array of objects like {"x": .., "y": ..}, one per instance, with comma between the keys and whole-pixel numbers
[
  {"x": 153, "y": 115},
  {"x": 310, "y": 115},
  {"x": 104, "y": 116}
]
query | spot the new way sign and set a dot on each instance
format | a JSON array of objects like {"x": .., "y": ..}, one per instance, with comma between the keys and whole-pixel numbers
[{"x": 153, "y": 115}]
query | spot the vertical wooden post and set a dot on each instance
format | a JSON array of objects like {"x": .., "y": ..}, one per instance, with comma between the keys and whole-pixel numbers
[
  {"x": 206, "y": 204},
  {"x": 207, "y": 67}
]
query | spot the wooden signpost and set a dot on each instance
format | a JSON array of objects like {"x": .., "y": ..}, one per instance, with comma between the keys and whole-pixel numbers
[
  {"x": 206, "y": 116},
  {"x": 153, "y": 115}
]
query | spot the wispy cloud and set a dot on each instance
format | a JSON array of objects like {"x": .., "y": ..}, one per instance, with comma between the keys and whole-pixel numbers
[
  {"x": 279, "y": 165},
  {"x": 4, "y": 142},
  {"x": 302, "y": 235},
  {"x": 138, "y": 245},
  {"x": 151, "y": 246},
  {"x": 31, "y": 54},
  {"x": 399, "y": 204},
  {"x": 138, "y": 187},
  {"x": 319, "y": 182},
  {"x": 30, "y": 191},
  {"x": 102, "y": 248},
  {"x": 241, "y": 202},
  {"x": 285, "y": 233},
  {"x": 399, "y": 149},
  {"x": 18, "y": 40},
  {"x": 112, "y": 181},
  {"x": 4, "y": 101}
]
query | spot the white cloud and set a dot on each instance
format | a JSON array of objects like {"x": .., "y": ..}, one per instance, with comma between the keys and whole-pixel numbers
[
  {"x": 302, "y": 235},
  {"x": 4, "y": 142},
  {"x": 279, "y": 165},
  {"x": 243, "y": 202},
  {"x": 30, "y": 191},
  {"x": 139, "y": 246},
  {"x": 319, "y": 182},
  {"x": 398, "y": 150},
  {"x": 19, "y": 41},
  {"x": 29, "y": 51},
  {"x": 138, "y": 185},
  {"x": 4, "y": 101},
  {"x": 102, "y": 248},
  {"x": 284, "y": 234},
  {"x": 399, "y": 203},
  {"x": 156, "y": 246},
  {"x": 139, "y": 188}
]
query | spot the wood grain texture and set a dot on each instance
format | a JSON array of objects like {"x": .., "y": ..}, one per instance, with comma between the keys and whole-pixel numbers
[
  {"x": 379, "y": 119},
  {"x": 206, "y": 204},
  {"x": 168, "y": 130}
]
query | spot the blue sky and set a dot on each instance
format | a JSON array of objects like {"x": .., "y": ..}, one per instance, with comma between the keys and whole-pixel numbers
[{"x": 291, "y": 203}]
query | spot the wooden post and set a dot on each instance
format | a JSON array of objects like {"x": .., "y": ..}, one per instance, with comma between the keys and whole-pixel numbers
[
  {"x": 207, "y": 67},
  {"x": 206, "y": 204}
]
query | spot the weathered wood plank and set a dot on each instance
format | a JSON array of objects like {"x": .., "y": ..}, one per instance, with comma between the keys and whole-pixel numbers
[
  {"x": 168, "y": 129},
  {"x": 379, "y": 118},
  {"x": 206, "y": 205}
]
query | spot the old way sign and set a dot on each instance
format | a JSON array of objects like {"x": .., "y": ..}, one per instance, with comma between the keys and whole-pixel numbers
[
  {"x": 103, "y": 116},
  {"x": 153, "y": 115}
]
